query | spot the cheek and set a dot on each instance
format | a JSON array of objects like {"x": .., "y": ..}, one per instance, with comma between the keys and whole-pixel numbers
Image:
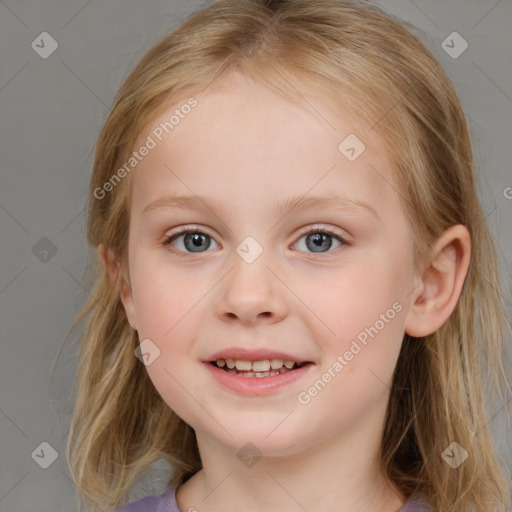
[
  {"x": 167, "y": 308},
  {"x": 346, "y": 304},
  {"x": 177, "y": 389},
  {"x": 364, "y": 309},
  {"x": 357, "y": 364},
  {"x": 162, "y": 297}
]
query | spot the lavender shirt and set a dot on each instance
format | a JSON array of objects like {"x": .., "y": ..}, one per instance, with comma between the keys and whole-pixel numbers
[{"x": 166, "y": 502}]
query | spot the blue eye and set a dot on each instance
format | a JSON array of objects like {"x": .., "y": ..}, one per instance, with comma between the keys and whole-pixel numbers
[
  {"x": 319, "y": 240},
  {"x": 195, "y": 241}
]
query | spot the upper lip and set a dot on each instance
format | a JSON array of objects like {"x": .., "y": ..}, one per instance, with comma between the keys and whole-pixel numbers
[{"x": 261, "y": 354}]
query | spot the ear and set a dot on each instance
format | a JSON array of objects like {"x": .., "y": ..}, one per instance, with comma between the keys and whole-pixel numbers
[
  {"x": 112, "y": 266},
  {"x": 435, "y": 298}
]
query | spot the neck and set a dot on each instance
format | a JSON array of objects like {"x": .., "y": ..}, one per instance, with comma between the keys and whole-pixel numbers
[{"x": 342, "y": 474}]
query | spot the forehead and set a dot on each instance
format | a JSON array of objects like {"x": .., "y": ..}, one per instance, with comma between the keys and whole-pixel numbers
[{"x": 240, "y": 134}]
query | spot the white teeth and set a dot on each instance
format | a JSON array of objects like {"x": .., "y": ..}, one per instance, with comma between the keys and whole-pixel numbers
[
  {"x": 276, "y": 363},
  {"x": 258, "y": 374},
  {"x": 243, "y": 365},
  {"x": 261, "y": 366}
]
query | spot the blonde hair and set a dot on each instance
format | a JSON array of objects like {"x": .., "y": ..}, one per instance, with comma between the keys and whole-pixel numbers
[{"x": 369, "y": 62}]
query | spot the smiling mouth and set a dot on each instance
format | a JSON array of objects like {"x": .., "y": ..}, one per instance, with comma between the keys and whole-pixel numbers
[{"x": 266, "y": 368}]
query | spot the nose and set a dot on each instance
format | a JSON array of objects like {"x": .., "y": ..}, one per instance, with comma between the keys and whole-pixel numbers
[{"x": 251, "y": 292}]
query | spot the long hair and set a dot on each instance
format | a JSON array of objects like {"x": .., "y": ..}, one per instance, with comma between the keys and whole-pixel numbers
[{"x": 369, "y": 62}]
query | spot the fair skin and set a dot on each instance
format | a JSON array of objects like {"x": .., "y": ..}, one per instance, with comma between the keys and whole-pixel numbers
[{"x": 243, "y": 150}]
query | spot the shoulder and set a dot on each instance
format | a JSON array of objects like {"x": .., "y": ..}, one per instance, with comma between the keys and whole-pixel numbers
[{"x": 165, "y": 502}]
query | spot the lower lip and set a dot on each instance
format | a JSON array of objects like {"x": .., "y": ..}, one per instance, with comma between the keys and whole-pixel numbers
[{"x": 257, "y": 386}]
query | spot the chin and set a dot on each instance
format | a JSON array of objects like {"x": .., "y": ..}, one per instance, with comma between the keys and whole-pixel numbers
[{"x": 258, "y": 442}]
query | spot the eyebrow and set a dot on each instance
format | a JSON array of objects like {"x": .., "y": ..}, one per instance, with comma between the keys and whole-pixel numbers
[{"x": 295, "y": 204}]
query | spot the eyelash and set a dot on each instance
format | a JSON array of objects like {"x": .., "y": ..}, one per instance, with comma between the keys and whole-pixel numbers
[{"x": 315, "y": 229}]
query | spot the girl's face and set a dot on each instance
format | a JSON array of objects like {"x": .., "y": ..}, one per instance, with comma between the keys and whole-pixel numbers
[{"x": 328, "y": 283}]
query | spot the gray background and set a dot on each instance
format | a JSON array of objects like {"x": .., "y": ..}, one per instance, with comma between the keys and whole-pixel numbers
[{"x": 51, "y": 111}]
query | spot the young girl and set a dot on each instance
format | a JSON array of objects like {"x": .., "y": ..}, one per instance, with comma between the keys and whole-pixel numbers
[{"x": 296, "y": 293}]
